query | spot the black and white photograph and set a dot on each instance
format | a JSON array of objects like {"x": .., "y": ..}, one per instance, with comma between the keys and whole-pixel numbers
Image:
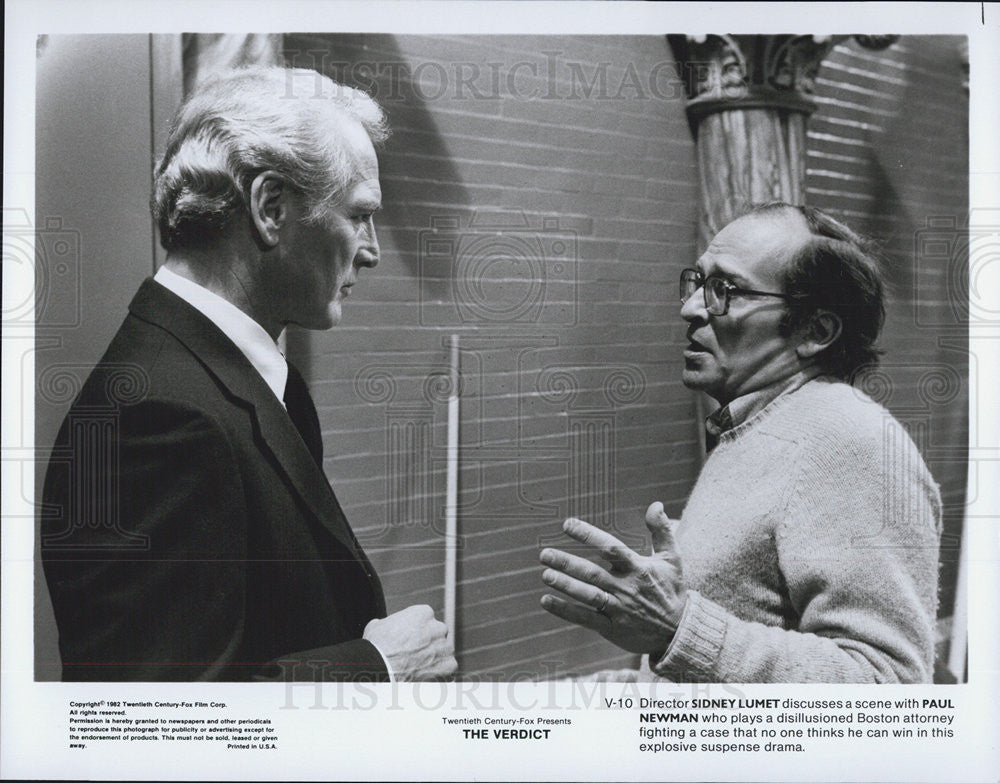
[{"x": 508, "y": 383}]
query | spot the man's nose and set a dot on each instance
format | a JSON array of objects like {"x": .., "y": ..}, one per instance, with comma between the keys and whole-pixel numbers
[
  {"x": 368, "y": 254},
  {"x": 694, "y": 308}
]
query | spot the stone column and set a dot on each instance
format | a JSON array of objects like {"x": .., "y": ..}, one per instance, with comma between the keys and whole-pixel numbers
[{"x": 749, "y": 97}]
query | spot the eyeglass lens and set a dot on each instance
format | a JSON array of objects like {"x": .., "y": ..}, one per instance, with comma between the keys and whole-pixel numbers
[
  {"x": 690, "y": 282},
  {"x": 716, "y": 294},
  {"x": 715, "y": 290}
]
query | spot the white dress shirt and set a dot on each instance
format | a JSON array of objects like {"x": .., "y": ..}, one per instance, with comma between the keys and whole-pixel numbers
[{"x": 248, "y": 335}]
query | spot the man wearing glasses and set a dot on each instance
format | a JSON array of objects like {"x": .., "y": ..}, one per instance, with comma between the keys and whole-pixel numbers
[{"x": 808, "y": 549}]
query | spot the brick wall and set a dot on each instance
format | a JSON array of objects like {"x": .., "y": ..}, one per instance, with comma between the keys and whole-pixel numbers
[
  {"x": 540, "y": 197},
  {"x": 888, "y": 153}
]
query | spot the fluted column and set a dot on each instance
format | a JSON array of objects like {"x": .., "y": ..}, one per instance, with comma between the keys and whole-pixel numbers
[{"x": 749, "y": 97}]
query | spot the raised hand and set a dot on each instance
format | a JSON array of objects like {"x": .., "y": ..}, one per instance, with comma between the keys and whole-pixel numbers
[{"x": 636, "y": 601}]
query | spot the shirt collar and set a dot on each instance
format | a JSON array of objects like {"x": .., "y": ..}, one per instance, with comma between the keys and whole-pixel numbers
[
  {"x": 248, "y": 335},
  {"x": 749, "y": 405}
]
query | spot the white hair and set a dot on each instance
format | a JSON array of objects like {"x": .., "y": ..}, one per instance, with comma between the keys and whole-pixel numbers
[{"x": 246, "y": 121}]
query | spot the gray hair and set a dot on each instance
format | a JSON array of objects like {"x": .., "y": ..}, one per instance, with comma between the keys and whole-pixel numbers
[{"x": 246, "y": 121}]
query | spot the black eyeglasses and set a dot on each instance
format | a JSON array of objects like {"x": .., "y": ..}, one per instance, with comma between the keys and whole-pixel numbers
[{"x": 717, "y": 290}]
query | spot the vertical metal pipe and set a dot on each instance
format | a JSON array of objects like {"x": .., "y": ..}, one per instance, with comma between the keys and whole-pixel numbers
[{"x": 451, "y": 496}]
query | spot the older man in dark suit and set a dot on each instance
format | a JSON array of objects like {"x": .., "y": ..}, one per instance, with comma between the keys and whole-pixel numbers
[{"x": 190, "y": 531}]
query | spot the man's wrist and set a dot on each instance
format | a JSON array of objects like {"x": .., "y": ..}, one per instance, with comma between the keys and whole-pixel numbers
[{"x": 657, "y": 655}]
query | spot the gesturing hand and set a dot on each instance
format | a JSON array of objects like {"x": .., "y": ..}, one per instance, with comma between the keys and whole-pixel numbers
[{"x": 635, "y": 602}]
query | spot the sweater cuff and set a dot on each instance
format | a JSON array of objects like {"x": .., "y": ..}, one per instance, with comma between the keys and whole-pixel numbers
[{"x": 694, "y": 650}]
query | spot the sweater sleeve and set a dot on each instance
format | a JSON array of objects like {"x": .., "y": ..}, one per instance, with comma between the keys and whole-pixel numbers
[{"x": 857, "y": 548}]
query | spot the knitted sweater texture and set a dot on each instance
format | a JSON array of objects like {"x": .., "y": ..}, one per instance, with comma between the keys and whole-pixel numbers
[{"x": 810, "y": 549}]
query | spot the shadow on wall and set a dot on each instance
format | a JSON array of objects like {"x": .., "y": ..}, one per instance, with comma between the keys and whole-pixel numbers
[
  {"x": 891, "y": 158},
  {"x": 924, "y": 188}
]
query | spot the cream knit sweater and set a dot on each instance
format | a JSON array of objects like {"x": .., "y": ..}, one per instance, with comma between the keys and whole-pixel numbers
[{"x": 810, "y": 549}]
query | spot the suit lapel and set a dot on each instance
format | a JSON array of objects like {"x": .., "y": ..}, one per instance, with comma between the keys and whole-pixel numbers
[{"x": 221, "y": 358}]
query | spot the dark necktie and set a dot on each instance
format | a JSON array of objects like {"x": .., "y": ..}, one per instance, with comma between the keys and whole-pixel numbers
[{"x": 302, "y": 412}]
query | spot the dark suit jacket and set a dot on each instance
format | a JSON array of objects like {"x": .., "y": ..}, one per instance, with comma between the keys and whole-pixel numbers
[{"x": 187, "y": 532}]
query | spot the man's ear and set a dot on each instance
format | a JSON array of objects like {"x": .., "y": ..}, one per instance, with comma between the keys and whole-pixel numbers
[
  {"x": 269, "y": 206},
  {"x": 821, "y": 332}
]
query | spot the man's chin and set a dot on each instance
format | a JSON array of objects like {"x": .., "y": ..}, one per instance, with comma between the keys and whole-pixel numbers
[
  {"x": 334, "y": 311},
  {"x": 692, "y": 379},
  {"x": 330, "y": 317},
  {"x": 697, "y": 381},
  {"x": 320, "y": 322}
]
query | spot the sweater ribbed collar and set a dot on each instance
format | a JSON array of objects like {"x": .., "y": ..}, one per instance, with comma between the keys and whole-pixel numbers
[{"x": 749, "y": 405}]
